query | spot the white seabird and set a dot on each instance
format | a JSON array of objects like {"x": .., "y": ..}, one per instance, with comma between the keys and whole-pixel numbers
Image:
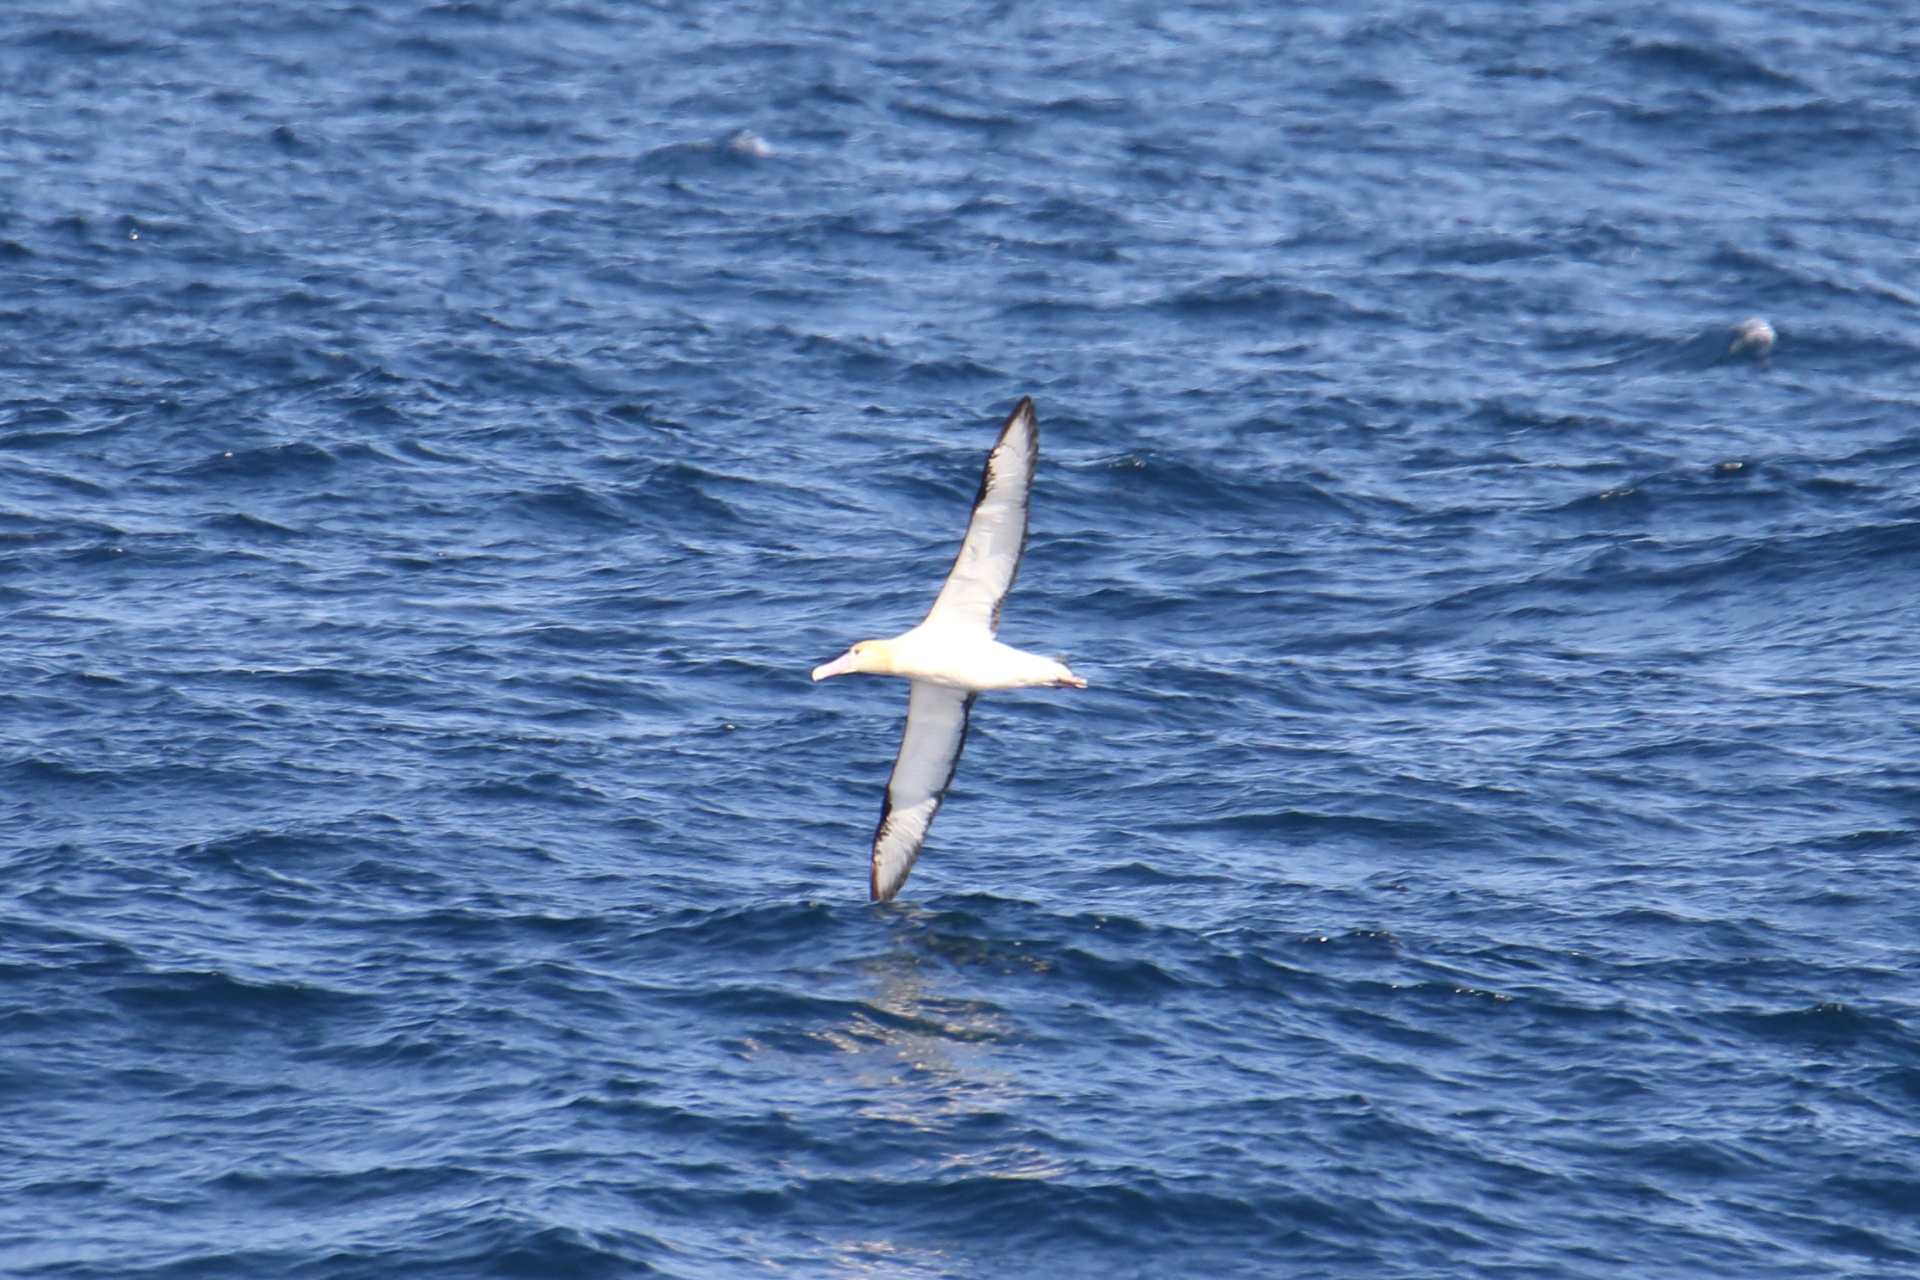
[
  {"x": 1754, "y": 335},
  {"x": 952, "y": 657}
]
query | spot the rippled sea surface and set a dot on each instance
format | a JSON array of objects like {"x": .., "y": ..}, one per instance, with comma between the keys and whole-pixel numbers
[{"x": 436, "y": 440}]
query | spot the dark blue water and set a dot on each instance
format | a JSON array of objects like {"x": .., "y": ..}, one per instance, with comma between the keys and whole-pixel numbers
[{"x": 438, "y": 439}]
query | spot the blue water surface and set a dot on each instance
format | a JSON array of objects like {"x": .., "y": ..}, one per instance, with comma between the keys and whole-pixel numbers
[{"x": 438, "y": 439}]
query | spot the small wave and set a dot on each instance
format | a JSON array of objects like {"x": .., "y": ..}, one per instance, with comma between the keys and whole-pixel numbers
[
  {"x": 1132, "y": 1210},
  {"x": 311, "y": 1190},
  {"x": 1144, "y": 874},
  {"x": 297, "y": 459},
  {"x": 1267, "y": 299},
  {"x": 752, "y": 930},
  {"x": 1477, "y": 251},
  {"x": 215, "y": 999},
  {"x": 428, "y": 47},
  {"x": 480, "y": 1238},
  {"x": 571, "y": 504},
  {"x": 1090, "y": 107},
  {"x": 545, "y": 788},
  {"x": 36, "y": 770},
  {"x": 1692, "y": 1158},
  {"x": 682, "y": 495},
  {"x": 1718, "y": 65},
  {"x": 1302, "y": 825},
  {"x": 80, "y": 42},
  {"x": 951, "y": 371},
  {"x": 741, "y": 153},
  {"x": 58, "y": 480},
  {"x": 1163, "y": 483},
  {"x": 254, "y": 528},
  {"x": 1829, "y": 1026},
  {"x": 993, "y": 125},
  {"x": 334, "y": 682}
]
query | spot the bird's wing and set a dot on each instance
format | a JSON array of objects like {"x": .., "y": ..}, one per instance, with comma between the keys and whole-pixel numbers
[
  {"x": 929, "y": 752},
  {"x": 989, "y": 558}
]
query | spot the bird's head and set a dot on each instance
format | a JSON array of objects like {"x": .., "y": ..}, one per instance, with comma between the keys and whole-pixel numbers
[{"x": 875, "y": 657}]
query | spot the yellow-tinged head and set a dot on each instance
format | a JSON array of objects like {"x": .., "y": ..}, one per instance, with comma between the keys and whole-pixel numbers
[{"x": 873, "y": 657}]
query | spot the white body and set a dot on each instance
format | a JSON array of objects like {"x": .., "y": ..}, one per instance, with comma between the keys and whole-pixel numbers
[{"x": 956, "y": 658}]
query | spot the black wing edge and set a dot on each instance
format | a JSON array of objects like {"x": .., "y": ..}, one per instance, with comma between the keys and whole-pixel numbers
[
  {"x": 940, "y": 800},
  {"x": 986, "y": 481}
]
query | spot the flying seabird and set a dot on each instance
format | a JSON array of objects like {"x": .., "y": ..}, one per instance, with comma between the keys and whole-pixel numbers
[{"x": 951, "y": 657}]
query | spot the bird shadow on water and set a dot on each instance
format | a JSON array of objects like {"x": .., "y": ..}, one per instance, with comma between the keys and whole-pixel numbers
[
  {"x": 931, "y": 1036},
  {"x": 936, "y": 1057},
  {"x": 924, "y": 1072}
]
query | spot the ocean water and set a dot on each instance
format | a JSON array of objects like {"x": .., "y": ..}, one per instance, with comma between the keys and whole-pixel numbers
[{"x": 438, "y": 439}]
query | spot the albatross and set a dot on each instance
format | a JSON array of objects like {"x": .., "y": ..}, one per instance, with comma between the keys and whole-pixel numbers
[{"x": 952, "y": 656}]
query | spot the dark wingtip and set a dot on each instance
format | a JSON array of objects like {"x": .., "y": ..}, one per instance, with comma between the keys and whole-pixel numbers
[{"x": 1023, "y": 409}]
